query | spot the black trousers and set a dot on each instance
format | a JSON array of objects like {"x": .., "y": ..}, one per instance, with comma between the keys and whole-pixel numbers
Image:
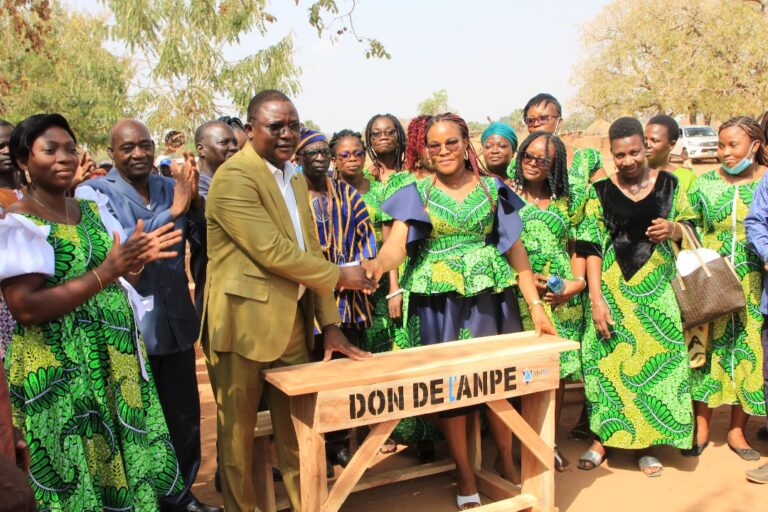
[{"x": 176, "y": 381}]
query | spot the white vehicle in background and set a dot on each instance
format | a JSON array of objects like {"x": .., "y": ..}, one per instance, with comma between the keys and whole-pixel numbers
[{"x": 696, "y": 143}]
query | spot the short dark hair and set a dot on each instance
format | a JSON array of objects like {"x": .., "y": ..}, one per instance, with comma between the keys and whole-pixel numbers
[
  {"x": 262, "y": 97},
  {"x": 545, "y": 98},
  {"x": 4, "y": 124},
  {"x": 27, "y": 131},
  {"x": 625, "y": 127},
  {"x": 673, "y": 129},
  {"x": 203, "y": 128}
]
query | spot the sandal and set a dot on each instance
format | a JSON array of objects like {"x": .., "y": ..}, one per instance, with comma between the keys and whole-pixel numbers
[
  {"x": 561, "y": 463},
  {"x": 647, "y": 462},
  {"x": 590, "y": 459},
  {"x": 463, "y": 501},
  {"x": 389, "y": 446}
]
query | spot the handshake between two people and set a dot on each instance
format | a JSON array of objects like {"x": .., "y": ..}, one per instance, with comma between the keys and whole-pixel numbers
[{"x": 363, "y": 277}]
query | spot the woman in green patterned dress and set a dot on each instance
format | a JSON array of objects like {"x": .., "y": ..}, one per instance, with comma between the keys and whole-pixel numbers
[
  {"x": 82, "y": 393},
  {"x": 585, "y": 165},
  {"x": 732, "y": 374},
  {"x": 634, "y": 356},
  {"x": 544, "y": 113},
  {"x": 461, "y": 232}
]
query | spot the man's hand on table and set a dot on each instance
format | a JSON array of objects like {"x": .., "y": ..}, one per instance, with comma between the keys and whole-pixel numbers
[{"x": 335, "y": 341}]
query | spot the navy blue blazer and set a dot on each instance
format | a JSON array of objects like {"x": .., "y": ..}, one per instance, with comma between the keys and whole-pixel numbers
[{"x": 173, "y": 325}]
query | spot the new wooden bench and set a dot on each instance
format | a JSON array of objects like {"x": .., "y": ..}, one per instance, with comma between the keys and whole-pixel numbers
[{"x": 379, "y": 391}]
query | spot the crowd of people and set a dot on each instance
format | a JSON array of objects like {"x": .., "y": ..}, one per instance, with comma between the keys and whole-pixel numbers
[{"x": 305, "y": 247}]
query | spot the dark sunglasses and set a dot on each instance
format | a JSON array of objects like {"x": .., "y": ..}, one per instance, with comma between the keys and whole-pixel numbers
[
  {"x": 314, "y": 153},
  {"x": 277, "y": 129},
  {"x": 345, "y": 155},
  {"x": 529, "y": 121},
  {"x": 541, "y": 162},
  {"x": 451, "y": 145}
]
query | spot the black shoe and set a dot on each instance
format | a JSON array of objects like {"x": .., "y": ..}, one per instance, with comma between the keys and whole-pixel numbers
[
  {"x": 277, "y": 476},
  {"x": 343, "y": 457},
  {"x": 695, "y": 451},
  {"x": 425, "y": 451},
  {"x": 197, "y": 506}
]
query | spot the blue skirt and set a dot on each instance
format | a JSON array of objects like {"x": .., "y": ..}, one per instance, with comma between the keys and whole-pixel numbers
[{"x": 449, "y": 317}]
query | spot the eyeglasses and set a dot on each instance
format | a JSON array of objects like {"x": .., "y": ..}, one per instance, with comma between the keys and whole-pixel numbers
[
  {"x": 277, "y": 129},
  {"x": 345, "y": 155},
  {"x": 389, "y": 133},
  {"x": 540, "y": 162},
  {"x": 530, "y": 121},
  {"x": 314, "y": 153},
  {"x": 451, "y": 145}
]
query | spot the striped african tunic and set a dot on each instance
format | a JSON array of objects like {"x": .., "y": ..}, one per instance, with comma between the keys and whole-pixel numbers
[{"x": 345, "y": 232}]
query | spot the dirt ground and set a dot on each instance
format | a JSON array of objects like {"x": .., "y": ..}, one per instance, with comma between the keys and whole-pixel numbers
[{"x": 713, "y": 483}]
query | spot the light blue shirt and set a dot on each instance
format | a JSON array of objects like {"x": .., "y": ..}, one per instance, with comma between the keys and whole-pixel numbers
[{"x": 756, "y": 227}]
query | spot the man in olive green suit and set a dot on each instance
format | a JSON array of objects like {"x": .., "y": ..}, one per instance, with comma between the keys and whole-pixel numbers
[{"x": 267, "y": 283}]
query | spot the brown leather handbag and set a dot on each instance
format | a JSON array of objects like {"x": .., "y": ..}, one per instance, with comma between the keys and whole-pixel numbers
[{"x": 710, "y": 292}]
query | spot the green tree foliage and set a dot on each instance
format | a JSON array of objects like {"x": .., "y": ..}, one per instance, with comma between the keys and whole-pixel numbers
[
  {"x": 705, "y": 57},
  {"x": 310, "y": 124},
  {"x": 435, "y": 104},
  {"x": 66, "y": 70},
  {"x": 181, "y": 47}
]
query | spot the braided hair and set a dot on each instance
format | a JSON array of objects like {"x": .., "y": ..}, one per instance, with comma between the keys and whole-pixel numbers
[
  {"x": 471, "y": 161},
  {"x": 417, "y": 134},
  {"x": 337, "y": 136},
  {"x": 399, "y": 148},
  {"x": 557, "y": 168},
  {"x": 753, "y": 130}
]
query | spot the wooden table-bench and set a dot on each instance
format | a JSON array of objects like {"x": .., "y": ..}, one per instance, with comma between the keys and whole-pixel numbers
[{"x": 380, "y": 391}]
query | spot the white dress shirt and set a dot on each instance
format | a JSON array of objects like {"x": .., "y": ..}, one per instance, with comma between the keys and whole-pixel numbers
[{"x": 283, "y": 179}]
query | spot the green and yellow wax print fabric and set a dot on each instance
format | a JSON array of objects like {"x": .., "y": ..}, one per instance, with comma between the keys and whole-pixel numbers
[
  {"x": 395, "y": 183},
  {"x": 380, "y": 335},
  {"x": 733, "y": 372},
  {"x": 546, "y": 233},
  {"x": 637, "y": 382},
  {"x": 456, "y": 257},
  {"x": 584, "y": 164},
  {"x": 96, "y": 432},
  {"x": 407, "y": 331}
]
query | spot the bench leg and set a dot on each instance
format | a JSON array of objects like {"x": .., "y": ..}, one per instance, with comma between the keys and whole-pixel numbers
[{"x": 262, "y": 475}]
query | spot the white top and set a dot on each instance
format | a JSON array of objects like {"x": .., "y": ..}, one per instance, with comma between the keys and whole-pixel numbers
[
  {"x": 283, "y": 179},
  {"x": 25, "y": 249}
]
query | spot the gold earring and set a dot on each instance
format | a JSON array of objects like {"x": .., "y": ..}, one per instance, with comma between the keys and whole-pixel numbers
[{"x": 29, "y": 178}]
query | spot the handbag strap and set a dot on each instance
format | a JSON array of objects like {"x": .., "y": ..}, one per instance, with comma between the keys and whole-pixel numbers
[{"x": 695, "y": 244}]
